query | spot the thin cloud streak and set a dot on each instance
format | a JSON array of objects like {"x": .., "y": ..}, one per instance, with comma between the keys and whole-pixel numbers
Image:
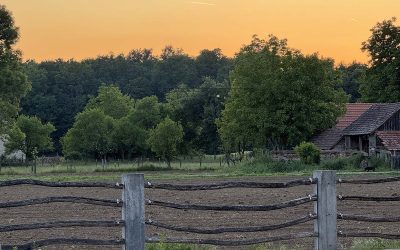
[
  {"x": 354, "y": 20},
  {"x": 203, "y": 3}
]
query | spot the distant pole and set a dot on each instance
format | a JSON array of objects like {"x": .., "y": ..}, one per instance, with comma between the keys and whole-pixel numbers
[
  {"x": 133, "y": 211},
  {"x": 325, "y": 208}
]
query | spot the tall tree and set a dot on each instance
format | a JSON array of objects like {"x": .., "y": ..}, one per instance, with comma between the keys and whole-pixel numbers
[
  {"x": 165, "y": 138},
  {"x": 91, "y": 135},
  {"x": 382, "y": 82},
  {"x": 197, "y": 109},
  {"x": 279, "y": 97},
  {"x": 129, "y": 137},
  {"x": 147, "y": 113},
  {"x": 173, "y": 69},
  {"x": 351, "y": 76},
  {"x": 31, "y": 136},
  {"x": 111, "y": 101},
  {"x": 13, "y": 82},
  {"x": 213, "y": 64}
]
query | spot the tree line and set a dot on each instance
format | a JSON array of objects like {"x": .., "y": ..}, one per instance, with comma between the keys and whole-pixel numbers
[{"x": 268, "y": 95}]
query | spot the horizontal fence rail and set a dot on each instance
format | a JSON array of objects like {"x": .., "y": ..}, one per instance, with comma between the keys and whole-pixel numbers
[
  {"x": 367, "y": 218},
  {"x": 286, "y": 204},
  {"x": 63, "y": 241},
  {"x": 232, "y": 229},
  {"x": 369, "y": 235},
  {"x": 61, "y": 224},
  {"x": 59, "y": 184},
  {"x": 368, "y": 198},
  {"x": 231, "y": 242},
  {"x": 233, "y": 184},
  {"x": 71, "y": 199},
  {"x": 369, "y": 181}
]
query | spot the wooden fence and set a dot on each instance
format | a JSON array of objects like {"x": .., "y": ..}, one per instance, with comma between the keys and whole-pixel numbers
[{"x": 133, "y": 204}]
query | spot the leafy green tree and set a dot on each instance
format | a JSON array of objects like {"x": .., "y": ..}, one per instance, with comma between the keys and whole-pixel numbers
[
  {"x": 213, "y": 64},
  {"x": 91, "y": 135},
  {"x": 174, "y": 68},
  {"x": 147, "y": 113},
  {"x": 279, "y": 97},
  {"x": 30, "y": 136},
  {"x": 351, "y": 76},
  {"x": 111, "y": 101},
  {"x": 382, "y": 82},
  {"x": 13, "y": 82},
  {"x": 165, "y": 138},
  {"x": 129, "y": 137},
  {"x": 197, "y": 109}
]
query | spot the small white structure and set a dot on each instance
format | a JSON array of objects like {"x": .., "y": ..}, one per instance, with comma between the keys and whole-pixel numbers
[{"x": 16, "y": 155}]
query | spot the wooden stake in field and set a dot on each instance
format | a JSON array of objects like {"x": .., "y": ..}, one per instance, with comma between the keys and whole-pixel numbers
[
  {"x": 133, "y": 211},
  {"x": 325, "y": 208}
]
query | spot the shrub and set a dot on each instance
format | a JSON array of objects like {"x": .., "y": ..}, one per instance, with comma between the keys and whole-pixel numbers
[
  {"x": 343, "y": 163},
  {"x": 335, "y": 164},
  {"x": 378, "y": 163},
  {"x": 308, "y": 153}
]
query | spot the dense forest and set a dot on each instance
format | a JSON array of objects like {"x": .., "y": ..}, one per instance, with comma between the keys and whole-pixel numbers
[
  {"x": 140, "y": 104},
  {"x": 61, "y": 89}
]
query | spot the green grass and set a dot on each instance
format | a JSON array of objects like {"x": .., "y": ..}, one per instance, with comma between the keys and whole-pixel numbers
[
  {"x": 189, "y": 169},
  {"x": 208, "y": 164},
  {"x": 375, "y": 244}
]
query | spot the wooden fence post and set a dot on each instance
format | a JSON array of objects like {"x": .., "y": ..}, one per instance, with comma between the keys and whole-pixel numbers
[
  {"x": 133, "y": 211},
  {"x": 325, "y": 208}
]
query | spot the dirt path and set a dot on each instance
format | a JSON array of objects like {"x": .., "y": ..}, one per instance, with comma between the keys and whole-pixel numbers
[{"x": 206, "y": 219}]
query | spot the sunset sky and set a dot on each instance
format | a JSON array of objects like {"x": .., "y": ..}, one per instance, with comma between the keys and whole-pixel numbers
[{"x": 79, "y": 29}]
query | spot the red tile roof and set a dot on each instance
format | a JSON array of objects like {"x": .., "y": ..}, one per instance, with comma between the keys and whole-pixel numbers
[
  {"x": 330, "y": 137},
  {"x": 372, "y": 119},
  {"x": 390, "y": 139},
  {"x": 353, "y": 112}
]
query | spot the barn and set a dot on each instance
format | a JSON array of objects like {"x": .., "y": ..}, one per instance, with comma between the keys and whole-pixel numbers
[{"x": 372, "y": 128}]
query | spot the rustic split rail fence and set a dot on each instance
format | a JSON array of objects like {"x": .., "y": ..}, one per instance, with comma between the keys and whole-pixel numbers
[{"x": 133, "y": 220}]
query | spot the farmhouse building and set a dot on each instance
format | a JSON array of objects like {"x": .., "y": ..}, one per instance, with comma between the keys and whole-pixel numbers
[{"x": 373, "y": 128}]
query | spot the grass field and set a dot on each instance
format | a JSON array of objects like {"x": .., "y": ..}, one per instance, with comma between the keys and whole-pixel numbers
[{"x": 208, "y": 167}]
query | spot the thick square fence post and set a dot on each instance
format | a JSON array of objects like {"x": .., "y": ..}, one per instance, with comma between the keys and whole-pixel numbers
[
  {"x": 133, "y": 211},
  {"x": 325, "y": 208}
]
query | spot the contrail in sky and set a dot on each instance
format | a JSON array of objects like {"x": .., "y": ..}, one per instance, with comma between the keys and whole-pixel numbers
[{"x": 203, "y": 3}]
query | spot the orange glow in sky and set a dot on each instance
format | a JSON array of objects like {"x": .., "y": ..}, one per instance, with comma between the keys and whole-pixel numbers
[{"x": 80, "y": 29}]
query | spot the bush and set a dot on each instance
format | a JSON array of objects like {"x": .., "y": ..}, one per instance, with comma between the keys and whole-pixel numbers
[
  {"x": 308, "y": 153},
  {"x": 266, "y": 164},
  {"x": 378, "y": 163},
  {"x": 336, "y": 164},
  {"x": 344, "y": 163}
]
